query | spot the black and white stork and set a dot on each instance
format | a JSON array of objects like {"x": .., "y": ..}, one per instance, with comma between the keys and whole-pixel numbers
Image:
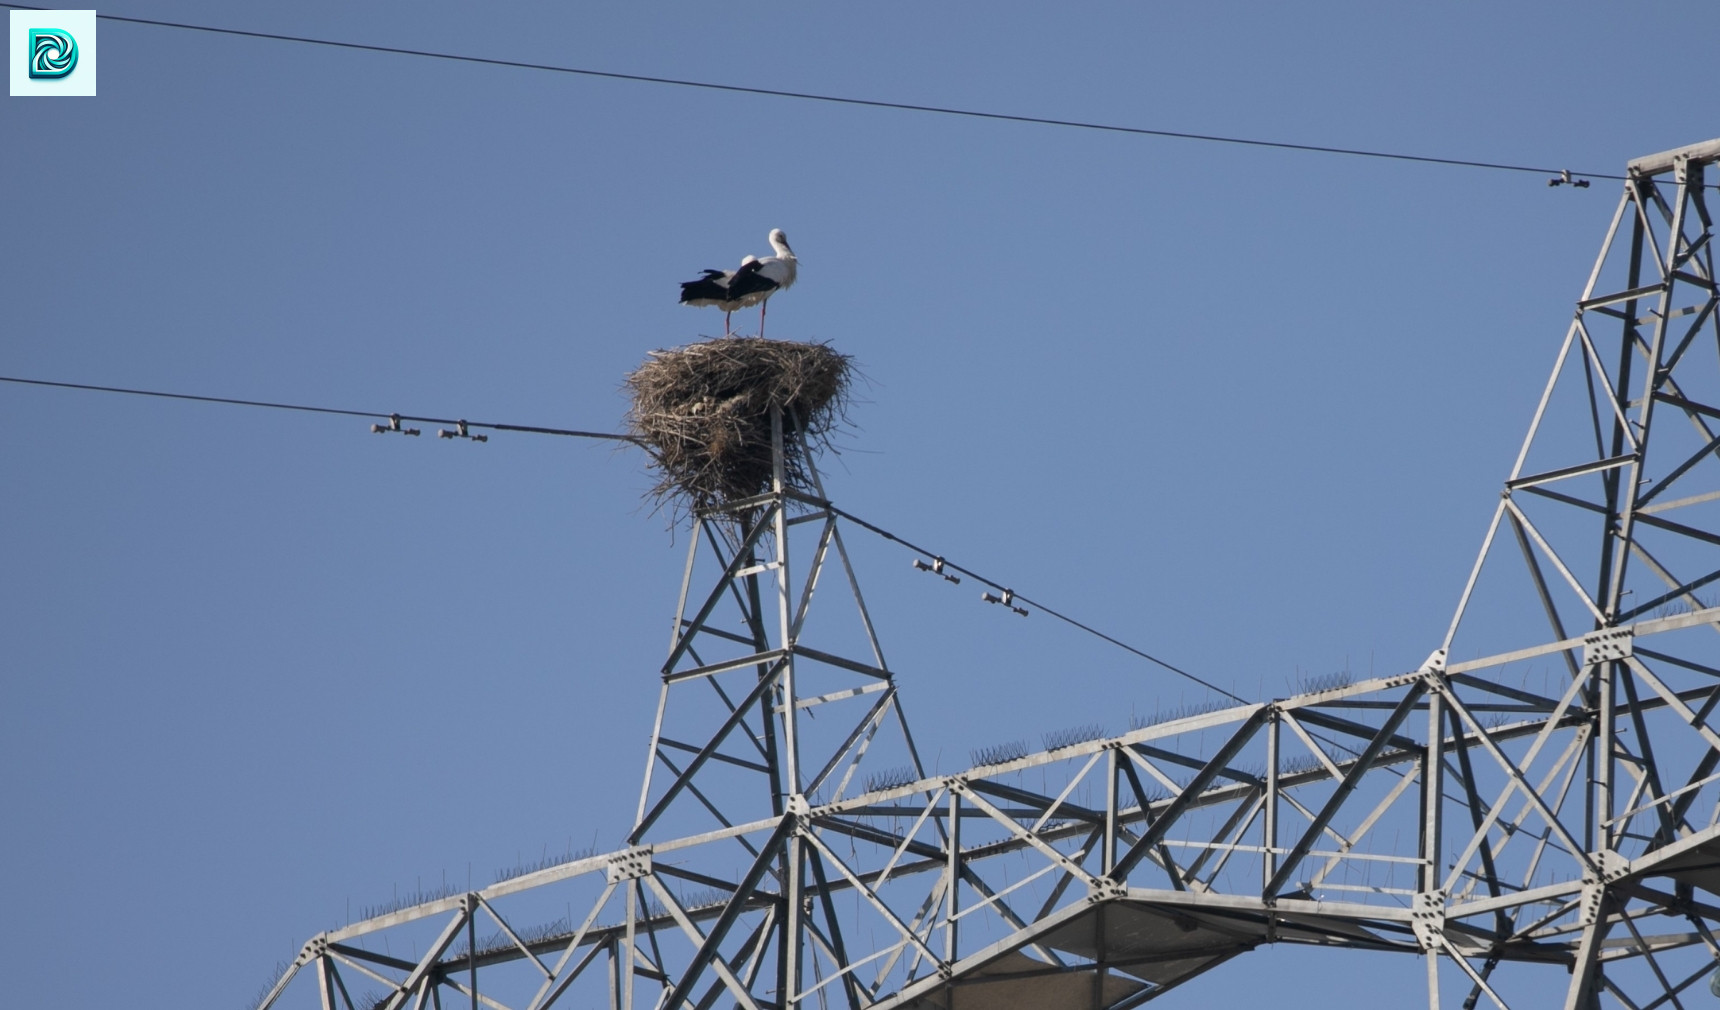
[
  {"x": 713, "y": 289},
  {"x": 752, "y": 283}
]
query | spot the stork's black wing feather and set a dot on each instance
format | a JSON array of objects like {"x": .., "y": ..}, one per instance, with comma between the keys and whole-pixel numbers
[
  {"x": 749, "y": 281},
  {"x": 712, "y": 287}
]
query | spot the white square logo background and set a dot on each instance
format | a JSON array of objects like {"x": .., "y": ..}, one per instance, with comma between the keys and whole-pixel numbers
[{"x": 81, "y": 81}]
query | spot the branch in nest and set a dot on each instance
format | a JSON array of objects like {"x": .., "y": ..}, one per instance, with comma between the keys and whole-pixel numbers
[{"x": 703, "y": 413}]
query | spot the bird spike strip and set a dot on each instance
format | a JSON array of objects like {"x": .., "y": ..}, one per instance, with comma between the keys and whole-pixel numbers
[{"x": 703, "y": 413}]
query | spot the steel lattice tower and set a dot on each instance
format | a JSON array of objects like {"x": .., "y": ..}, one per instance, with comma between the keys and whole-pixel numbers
[{"x": 1555, "y": 841}]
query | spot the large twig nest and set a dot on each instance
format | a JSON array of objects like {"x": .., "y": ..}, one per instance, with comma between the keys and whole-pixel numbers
[{"x": 703, "y": 413}]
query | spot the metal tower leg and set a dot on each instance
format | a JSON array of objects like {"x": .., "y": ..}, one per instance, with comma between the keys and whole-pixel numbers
[{"x": 1542, "y": 795}]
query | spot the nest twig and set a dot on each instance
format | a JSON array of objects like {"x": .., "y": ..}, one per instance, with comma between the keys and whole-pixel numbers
[{"x": 703, "y": 413}]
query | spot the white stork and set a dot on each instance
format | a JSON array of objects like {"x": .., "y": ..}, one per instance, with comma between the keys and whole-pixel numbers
[
  {"x": 713, "y": 289},
  {"x": 752, "y": 283}
]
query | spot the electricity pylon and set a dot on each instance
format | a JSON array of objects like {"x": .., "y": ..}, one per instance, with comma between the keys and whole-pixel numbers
[
  {"x": 1541, "y": 817},
  {"x": 761, "y": 700}
]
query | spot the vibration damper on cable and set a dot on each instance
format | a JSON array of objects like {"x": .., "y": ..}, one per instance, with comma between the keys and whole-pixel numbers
[
  {"x": 460, "y": 431},
  {"x": 393, "y": 425},
  {"x": 936, "y": 568},
  {"x": 1007, "y": 600}
]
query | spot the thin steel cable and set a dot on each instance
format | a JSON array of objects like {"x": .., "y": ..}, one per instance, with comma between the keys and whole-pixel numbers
[
  {"x": 609, "y": 437},
  {"x": 1089, "y": 629},
  {"x": 632, "y": 440},
  {"x": 309, "y": 409},
  {"x": 941, "y": 110},
  {"x": 1000, "y": 587}
]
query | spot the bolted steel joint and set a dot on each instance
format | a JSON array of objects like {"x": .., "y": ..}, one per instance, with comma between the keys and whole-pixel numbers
[
  {"x": 1105, "y": 889},
  {"x": 1607, "y": 645},
  {"x": 1427, "y": 919},
  {"x": 630, "y": 865}
]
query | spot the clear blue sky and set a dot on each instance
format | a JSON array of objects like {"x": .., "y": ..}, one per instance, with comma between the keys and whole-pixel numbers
[{"x": 1247, "y": 409}]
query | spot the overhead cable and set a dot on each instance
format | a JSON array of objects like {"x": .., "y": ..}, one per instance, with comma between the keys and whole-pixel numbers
[
  {"x": 943, "y": 564},
  {"x": 873, "y": 103},
  {"x": 461, "y": 426}
]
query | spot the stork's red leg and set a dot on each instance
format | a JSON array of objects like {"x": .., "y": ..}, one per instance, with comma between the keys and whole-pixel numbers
[{"x": 761, "y": 307}]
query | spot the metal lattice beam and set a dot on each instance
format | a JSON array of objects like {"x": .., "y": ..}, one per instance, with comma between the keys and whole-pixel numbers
[{"x": 1454, "y": 812}]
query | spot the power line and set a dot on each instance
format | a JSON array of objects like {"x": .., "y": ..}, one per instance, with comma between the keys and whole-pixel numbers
[
  {"x": 309, "y": 409},
  {"x": 395, "y": 419},
  {"x": 864, "y": 102},
  {"x": 944, "y": 563}
]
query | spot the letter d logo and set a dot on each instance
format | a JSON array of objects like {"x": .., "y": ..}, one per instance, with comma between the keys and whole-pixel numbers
[{"x": 53, "y": 53}]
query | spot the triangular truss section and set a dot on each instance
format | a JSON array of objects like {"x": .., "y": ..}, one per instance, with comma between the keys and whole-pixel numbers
[
  {"x": 770, "y": 704},
  {"x": 1533, "y": 810},
  {"x": 1596, "y": 476}
]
